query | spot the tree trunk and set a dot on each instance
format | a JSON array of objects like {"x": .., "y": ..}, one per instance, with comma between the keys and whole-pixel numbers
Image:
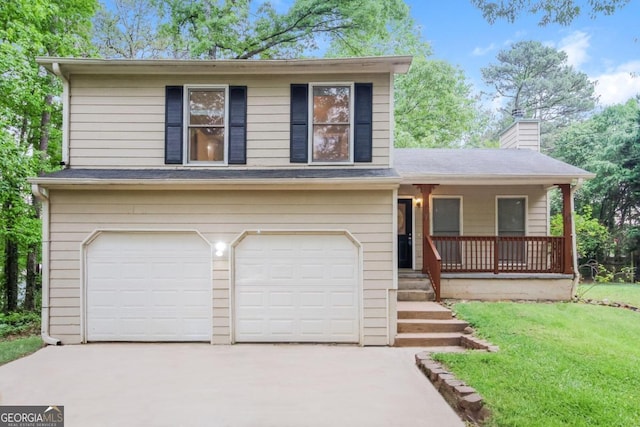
[
  {"x": 33, "y": 273},
  {"x": 11, "y": 272}
]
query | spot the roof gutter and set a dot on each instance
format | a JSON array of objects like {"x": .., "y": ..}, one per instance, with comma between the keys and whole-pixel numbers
[
  {"x": 65, "y": 113},
  {"x": 43, "y": 196},
  {"x": 576, "y": 272}
]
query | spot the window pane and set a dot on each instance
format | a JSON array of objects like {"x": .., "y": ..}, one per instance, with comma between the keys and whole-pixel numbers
[
  {"x": 331, "y": 143},
  {"x": 331, "y": 104},
  {"x": 511, "y": 217},
  {"x": 446, "y": 217},
  {"x": 206, "y": 107},
  {"x": 206, "y": 144}
]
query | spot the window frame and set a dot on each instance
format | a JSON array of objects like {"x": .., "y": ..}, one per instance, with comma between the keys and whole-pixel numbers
[
  {"x": 526, "y": 212},
  {"x": 460, "y": 213},
  {"x": 351, "y": 86},
  {"x": 187, "y": 126}
]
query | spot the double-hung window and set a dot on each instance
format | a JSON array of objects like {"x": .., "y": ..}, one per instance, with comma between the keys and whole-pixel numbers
[
  {"x": 331, "y": 133},
  {"x": 206, "y": 118}
]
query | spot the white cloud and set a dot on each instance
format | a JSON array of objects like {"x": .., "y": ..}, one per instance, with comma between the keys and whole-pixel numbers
[
  {"x": 481, "y": 51},
  {"x": 618, "y": 85},
  {"x": 575, "y": 45}
]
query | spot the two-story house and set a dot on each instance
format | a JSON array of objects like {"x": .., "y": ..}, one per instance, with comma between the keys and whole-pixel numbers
[{"x": 262, "y": 201}]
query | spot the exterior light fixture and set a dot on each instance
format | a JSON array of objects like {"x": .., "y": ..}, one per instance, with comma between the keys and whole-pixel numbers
[
  {"x": 418, "y": 202},
  {"x": 220, "y": 247}
]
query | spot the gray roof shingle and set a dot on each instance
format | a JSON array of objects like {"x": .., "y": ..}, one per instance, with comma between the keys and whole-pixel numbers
[{"x": 481, "y": 162}]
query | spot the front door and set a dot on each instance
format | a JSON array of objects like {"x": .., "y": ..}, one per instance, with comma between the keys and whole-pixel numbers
[{"x": 405, "y": 244}]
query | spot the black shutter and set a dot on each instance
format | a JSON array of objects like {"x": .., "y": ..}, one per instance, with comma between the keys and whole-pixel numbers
[
  {"x": 299, "y": 143},
  {"x": 362, "y": 134},
  {"x": 237, "y": 125},
  {"x": 173, "y": 125}
]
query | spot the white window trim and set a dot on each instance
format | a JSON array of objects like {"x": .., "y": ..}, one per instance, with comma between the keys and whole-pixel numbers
[
  {"x": 461, "y": 220},
  {"x": 526, "y": 212},
  {"x": 351, "y": 124},
  {"x": 185, "y": 121}
]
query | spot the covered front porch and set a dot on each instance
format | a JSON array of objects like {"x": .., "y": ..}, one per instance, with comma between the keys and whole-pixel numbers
[{"x": 508, "y": 253}]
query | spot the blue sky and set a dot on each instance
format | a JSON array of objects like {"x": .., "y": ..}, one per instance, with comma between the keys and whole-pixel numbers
[{"x": 606, "y": 48}]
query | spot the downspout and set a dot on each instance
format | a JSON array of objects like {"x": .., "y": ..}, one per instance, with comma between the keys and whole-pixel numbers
[
  {"x": 65, "y": 114},
  {"x": 43, "y": 196},
  {"x": 574, "y": 249}
]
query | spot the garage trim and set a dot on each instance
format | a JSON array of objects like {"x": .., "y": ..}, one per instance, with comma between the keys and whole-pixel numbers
[
  {"x": 244, "y": 234},
  {"x": 84, "y": 277}
]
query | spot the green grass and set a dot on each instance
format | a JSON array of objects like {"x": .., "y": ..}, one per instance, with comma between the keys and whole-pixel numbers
[
  {"x": 19, "y": 347},
  {"x": 561, "y": 364},
  {"x": 628, "y": 293}
]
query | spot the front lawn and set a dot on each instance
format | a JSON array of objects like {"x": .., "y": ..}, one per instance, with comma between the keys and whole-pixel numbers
[
  {"x": 559, "y": 364},
  {"x": 18, "y": 335},
  {"x": 628, "y": 293},
  {"x": 19, "y": 347}
]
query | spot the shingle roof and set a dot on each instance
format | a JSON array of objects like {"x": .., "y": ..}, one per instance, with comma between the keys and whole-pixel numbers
[
  {"x": 220, "y": 174},
  {"x": 482, "y": 163}
]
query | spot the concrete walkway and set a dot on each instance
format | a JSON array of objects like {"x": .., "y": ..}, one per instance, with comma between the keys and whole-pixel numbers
[{"x": 240, "y": 385}]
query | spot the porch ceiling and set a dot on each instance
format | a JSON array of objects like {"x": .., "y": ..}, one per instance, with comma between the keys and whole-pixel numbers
[{"x": 483, "y": 166}]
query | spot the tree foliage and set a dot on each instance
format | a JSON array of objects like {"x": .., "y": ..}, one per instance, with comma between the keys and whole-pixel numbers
[
  {"x": 593, "y": 240},
  {"x": 30, "y": 28},
  {"x": 433, "y": 105},
  {"x": 538, "y": 80},
  {"x": 561, "y": 12},
  {"x": 608, "y": 144}
]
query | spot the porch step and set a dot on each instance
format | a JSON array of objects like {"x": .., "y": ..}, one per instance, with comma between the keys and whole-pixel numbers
[
  {"x": 430, "y": 325},
  {"x": 422, "y": 310},
  {"x": 411, "y": 274},
  {"x": 427, "y": 324},
  {"x": 416, "y": 295},
  {"x": 433, "y": 339},
  {"x": 405, "y": 284}
]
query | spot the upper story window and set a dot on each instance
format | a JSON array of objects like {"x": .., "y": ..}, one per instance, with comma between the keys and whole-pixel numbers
[
  {"x": 206, "y": 130},
  {"x": 331, "y": 123},
  {"x": 331, "y": 118},
  {"x": 205, "y": 125}
]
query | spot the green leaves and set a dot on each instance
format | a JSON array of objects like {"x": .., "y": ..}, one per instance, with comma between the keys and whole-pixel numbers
[
  {"x": 561, "y": 12},
  {"x": 433, "y": 105},
  {"x": 608, "y": 144}
]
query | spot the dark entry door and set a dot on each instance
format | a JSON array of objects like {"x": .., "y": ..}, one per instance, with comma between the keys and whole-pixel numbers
[{"x": 405, "y": 243}]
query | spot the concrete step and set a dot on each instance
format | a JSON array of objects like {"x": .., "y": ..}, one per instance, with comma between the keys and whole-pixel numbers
[
  {"x": 412, "y": 274},
  {"x": 416, "y": 295},
  {"x": 429, "y": 325},
  {"x": 427, "y": 339},
  {"x": 422, "y": 310},
  {"x": 417, "y": 283}
]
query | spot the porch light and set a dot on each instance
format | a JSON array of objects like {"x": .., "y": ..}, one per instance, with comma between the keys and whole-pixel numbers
[
  {"x": 418, "y": 202},
  {"x": 220, "y": 247}
]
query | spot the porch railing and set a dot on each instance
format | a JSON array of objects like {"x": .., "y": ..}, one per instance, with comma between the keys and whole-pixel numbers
[
  {"x": 498, "y": 254},
  {"x": 433, "y": 266}
]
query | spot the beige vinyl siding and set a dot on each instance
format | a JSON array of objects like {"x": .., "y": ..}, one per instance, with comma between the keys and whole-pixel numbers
[
  {"x": 221, "y": 216},
  {"x": 479, "y": 209},
  {"x": 522, "y": 134},
  {"x": 118, "y": 121}
]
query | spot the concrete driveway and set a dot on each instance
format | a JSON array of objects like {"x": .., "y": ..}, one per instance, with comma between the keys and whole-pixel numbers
[{"x": 239, "y": 385}]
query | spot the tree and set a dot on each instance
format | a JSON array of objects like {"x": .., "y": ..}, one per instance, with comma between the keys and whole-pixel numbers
[
  {"x": 241, "y": 30},
  {"x": 128, "y": 31},
  {"x": 29, "y": 28},
  {"x": 608, "y": 144},
  {"x": 593, "y": 240},
  {"x": 538, "y": 81},
  {"x": 433, "y": 105},
  {"x": 561, "y": 12}
]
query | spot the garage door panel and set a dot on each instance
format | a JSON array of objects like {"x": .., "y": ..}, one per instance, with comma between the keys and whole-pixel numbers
[
  {"x": 148, "y": 287},
  {"x": 296, "y": 288}
]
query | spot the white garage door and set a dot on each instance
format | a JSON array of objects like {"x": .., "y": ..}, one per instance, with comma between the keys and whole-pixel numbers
[
  {"x": 296, "y": 288},
  {"x": 148, "y": 287}
]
